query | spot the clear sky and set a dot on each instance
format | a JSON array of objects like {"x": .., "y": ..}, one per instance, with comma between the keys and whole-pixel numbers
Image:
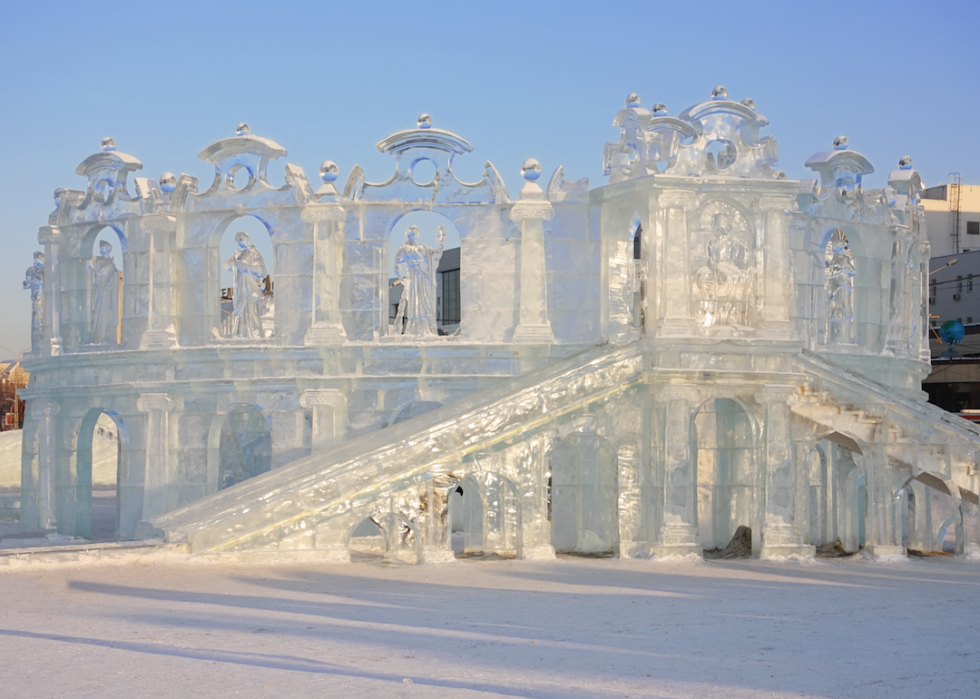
[{"x": 328, "y": 80}]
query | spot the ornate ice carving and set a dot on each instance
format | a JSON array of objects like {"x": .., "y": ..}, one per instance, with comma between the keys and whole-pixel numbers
[
  {"x": 532, "y": 210},
  {"x": 839, "y": 279},
  {"x": 248, "y": 303},
  {"x": 323, "y": 212},
  {"x": 678, "y": 199},
  {"x": 322, "y": 396},
  {"x": 724, "y": 270}
]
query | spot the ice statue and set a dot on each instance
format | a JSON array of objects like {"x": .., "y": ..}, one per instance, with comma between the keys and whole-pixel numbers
[
  {"x": 840, "y": 293},
  {"x": 105, "y": 297},
  {"x": 415, "y": 266},
  {"x": 35, "y": 282},
  {"x": 725, "y": 281},
  {"x": 249, "y": 270}
]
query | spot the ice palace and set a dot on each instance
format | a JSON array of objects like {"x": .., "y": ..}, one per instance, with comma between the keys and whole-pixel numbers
[{"x": 639, "y": 369}]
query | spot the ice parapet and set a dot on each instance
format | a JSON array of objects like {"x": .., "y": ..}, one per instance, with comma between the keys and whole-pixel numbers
[{"x": 640, "y": 369}]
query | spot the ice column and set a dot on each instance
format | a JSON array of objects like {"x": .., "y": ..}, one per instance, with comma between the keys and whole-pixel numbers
[
  {"x": 896, "y": 343},
  {"x": 436, "y": 524},
  {"x": 50, "y": 238},
  {"x": 925, "y": 252},
  {"x": 159, "y": 333},
  {"x": 678, "y": 531},
  {"x": 327, "y": 218},
  {"x": 675, "y": 290},
  {"x": 531, "y": 211},
  {"x": 779, "y": 534},
  {"x": 46, "y": 411},
  {"x": 885, "y": 532},
  {"x": 329, "y": 416},
  {"x": 776, "y": 277},
  {"x": 156, "y": 478}
]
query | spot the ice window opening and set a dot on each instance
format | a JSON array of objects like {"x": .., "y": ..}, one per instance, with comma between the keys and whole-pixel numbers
[{"x": 247, "y": 304}]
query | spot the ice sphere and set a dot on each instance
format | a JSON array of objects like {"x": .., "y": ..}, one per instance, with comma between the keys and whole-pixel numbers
[
  {"x": 243, "y": 129},
  {"x": 531, "y": 170},
  {"x": 328, "y": 171},
  {"x": 749, "y": 102},
  {"x": 168, "y": 182},
  {"x": 905, "y": 163},
  {"x": 719, "y": 93},
  {"x": 108, "y": 144},
  {"x": 660, "y": 109},
  {"x": 425, "y": 121},
  {"x": 840, "y": 143},
  {"x": 632, "y": 100},
  {"x": 58, "y": 194}
]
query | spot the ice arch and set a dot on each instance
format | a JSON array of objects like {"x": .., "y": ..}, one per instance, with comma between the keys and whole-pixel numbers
[
  {"x": 239, "y": 447},
  {"x": 584, "y": 495},
  {"x": 101, "y": 442}
]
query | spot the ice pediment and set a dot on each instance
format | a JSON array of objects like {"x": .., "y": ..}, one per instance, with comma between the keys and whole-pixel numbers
[
  {"x": 242, "y": 151},
  {"x": 840, "y": 169},
  {"x": 107, "y": 172},
  {"x": 424, "y": 170}
]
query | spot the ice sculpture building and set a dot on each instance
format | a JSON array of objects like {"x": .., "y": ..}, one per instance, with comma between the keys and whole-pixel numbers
[{"x": 640, "y": 368}]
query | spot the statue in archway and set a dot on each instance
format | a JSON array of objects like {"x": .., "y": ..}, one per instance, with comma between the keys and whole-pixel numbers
[
  {"x": 249, "y": 272},
  {"x": 415, "y": 266},
  {"x": 34, "y": 280},
  {"x": 725, "y": 281},
  {"x": 840, "y": 293},
  {"x": 105, "y": 297}
]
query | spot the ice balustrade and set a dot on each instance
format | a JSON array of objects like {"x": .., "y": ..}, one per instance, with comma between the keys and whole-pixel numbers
[{"x": 704, "y": 267}]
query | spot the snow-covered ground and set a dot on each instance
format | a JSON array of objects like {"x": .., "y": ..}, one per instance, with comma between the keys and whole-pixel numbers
[{"x": 171, "y": 627}]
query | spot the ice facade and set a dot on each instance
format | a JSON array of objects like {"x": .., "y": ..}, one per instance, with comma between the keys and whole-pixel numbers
[{"x": 700, "y": 344}]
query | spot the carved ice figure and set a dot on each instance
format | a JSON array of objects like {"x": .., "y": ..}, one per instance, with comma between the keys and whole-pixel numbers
[
  {"x": 105, "y": 297},
  {"x": 248, "y": 267},
  {"x": 840, "y": 292},
  {"x": 415, "y": 266},
  {"x": 34, "y": 280},
  {"x": 725, "y": 280}
]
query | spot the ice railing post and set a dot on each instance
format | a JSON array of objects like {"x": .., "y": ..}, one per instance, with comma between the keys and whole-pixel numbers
[
  {"x": 531, "y": 211},
  {"x": 327, "y": 217}
]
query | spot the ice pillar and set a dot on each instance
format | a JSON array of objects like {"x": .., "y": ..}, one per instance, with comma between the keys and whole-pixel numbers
[
  {"x": 436, "y": 524},
  {"x": 329, "y": 417},
  {"x": 46, "y": 412},
  {"x": 676, "y": 316},
  {"x": 531, "y": 211},
  {"x": 326, "y": 328},
  {"x": 884, "y": 500},
  {"x": 776, "y": 275},
  {"x": 50, "y": 238},
  {"x": 925, "y": 252},
  {"x": 897, "y": 340},
  {"x": 159, "y": 333},
  {"x": 779, "y": 533},
  {"x": 678, "y": 530},
  {"x": 156, "y": 476}
]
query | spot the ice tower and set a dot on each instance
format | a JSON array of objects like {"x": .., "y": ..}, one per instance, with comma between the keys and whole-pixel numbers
[{"x": 640, "y": 369}]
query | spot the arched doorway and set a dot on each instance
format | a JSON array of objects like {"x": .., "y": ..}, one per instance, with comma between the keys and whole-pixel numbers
[
  {"x": 584, "y": 496},
  {"x": 385, "y": 538},
  {"x": 99, "y": 448},
  {"x": 239, "y": 447},
  {"x": 728, "y": 480},
  {"x": 491, "y": 518}
]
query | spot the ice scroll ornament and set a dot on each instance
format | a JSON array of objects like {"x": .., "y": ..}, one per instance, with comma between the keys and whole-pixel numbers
[
  {"x": 415, "y": 265},
  {"x": 34, "y": 280},
  {"x": 105, "y": 297},
  {"x": 249, "y": 269}
]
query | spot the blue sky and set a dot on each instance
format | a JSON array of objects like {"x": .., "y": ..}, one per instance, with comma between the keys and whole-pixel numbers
[{"x": 516, "y": 79}]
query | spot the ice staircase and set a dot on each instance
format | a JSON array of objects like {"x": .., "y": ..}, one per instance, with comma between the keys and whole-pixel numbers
[
  {"x": 940, "y": 447},
  {"x": 308, "y": 504}
]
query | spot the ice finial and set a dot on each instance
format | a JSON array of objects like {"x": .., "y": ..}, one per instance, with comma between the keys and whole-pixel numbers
[
  {"x": 632, "y": 100},
  {"x": 531, "y": 170},
  {"x": 108, "y": 144},
  {"x": 840, "y": 143},
  {"x": 659, "y": 109},
  {"x": 58, "y": 194},
  {"x": 749, "y": 102},
  {"x": 243, "y": 129},
  {"x": 425, "y": 121},
  {"x": 168, "y": 182},
  {"x": 328, "y": 171},
  {"x": 905, "y": 163},
  {"x": 719, "y": 93}
]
